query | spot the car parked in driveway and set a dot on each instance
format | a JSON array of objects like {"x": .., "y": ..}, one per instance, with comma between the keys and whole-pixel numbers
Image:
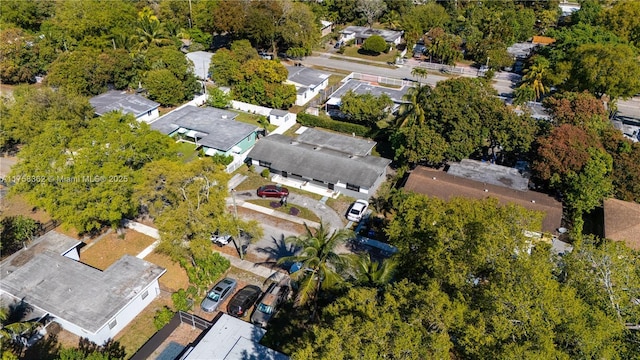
[
  {"x": 221, "y": 239},
  {"x": 268, "y": 305},
  {"x": 217, "y": 294},
  {"x": 357, "y": 210},
  {"x": 243, "y": 300},
  {"x": 275, "y": 191}
]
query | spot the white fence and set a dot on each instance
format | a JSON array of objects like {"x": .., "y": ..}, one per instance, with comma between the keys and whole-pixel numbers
[
  {"x": 383, "y": 80},
  {"x": 250, "y": 108}
]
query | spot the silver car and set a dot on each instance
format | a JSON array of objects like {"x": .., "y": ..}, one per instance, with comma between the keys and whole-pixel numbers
[{"x": 217, "y": 294}]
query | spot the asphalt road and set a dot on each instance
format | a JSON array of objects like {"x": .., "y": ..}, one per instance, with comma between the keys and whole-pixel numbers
[{"x": 503, "y": 81}]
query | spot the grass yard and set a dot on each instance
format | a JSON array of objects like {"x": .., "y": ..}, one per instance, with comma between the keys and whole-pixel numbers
[
  {"x": 252, "y": 119},
  {"x": 187, "y": 151},
  {"x": 134, "y": 335},
  {"x": 253, "y": 181},
  {"x": 175, "y": 278},
  {"x": 111, "y": 247},
  {"x": 353, "y": 51},
  {"x": 304, "y": 212},
  {"x": 334, "y": 79}
]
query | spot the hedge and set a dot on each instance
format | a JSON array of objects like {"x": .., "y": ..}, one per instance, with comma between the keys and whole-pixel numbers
[{"x": 339, "y": 126}]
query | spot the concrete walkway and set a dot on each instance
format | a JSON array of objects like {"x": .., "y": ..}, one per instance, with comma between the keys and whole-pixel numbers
[
  {"x": 255, "y": 269},
  {"x": 245, "y": 265},
  {"x": 329, "y": 216}
]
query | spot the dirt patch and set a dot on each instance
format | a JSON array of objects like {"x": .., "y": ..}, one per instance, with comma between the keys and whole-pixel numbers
[
  {"x": 17, "y": 205},
  {"x": 108, "y": 249},
  {"x": 175, "y": 278},
  {"x": 274, "y": 221}
]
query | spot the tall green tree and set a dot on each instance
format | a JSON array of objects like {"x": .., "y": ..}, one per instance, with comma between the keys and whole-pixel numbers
[
  {"x": 187, "y": 202},
  {"x": 605, "y": 69},
  {"x": 87, "y": 71},
  {"x": 19, "y": 60},
  {"x": 405, "y": 321},
  {"x": 26, "y": 116},
  {"x": 415, "y": 144},
  {"x": 84, "y": 177},
  {"x": 16, "y": 230},
  {"x": 365, "y": 108},
  {"x": 300, "y": 28},
  {"x": 322, "y": 266},
  {"x": 371, "y": 10}
]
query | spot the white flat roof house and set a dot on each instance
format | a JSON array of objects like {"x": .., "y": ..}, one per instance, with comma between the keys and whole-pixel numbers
[
  {"x": 308, "y": 82},
  {"x": 116, "y": 100},
  {"x": 84, "y": 300}
]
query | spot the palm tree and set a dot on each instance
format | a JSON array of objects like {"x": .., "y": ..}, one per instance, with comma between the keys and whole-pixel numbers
[
  {"x": 373, "y": 273},
  {"x": 412, "y": 112},
  {"x": 150, "y": 31},
  {"x": 534, "y": 78},
  {"x": 11, "y": 331},
  {"x": 392, "y": 20},
  {"x": 322, "y": 266}
]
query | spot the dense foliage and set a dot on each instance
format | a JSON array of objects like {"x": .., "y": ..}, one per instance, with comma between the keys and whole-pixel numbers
[
  {"x": 327, "y": 123},
  {"x": 472, "y": 285},
  {"x": 85, "y": 178},
  {"x": 252, "y": 79}
]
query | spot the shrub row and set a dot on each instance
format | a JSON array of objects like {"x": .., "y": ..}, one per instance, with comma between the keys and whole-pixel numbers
[{"x": 339, "y": 126}]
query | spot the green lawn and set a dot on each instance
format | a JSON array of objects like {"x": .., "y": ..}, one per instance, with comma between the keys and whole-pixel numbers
[
  {"x": 188, "y": 151},
  {"x": 252, "y": 119},
  {"x": 353, "y": 51}
]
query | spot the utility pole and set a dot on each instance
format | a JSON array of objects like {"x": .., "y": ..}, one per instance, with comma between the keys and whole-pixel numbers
[
  {"x": 235, "y": 220},
  {"x": 190, "y": 14}
]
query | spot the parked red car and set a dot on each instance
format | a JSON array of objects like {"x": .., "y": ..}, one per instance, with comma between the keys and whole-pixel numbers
[{"x": 274, "y": 191}]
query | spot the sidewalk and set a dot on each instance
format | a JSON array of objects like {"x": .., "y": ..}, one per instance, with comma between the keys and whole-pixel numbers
[{"x": 255, "y": 269}]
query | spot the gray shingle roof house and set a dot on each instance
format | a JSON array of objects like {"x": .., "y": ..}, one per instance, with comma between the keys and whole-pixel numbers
[
  {"x": 83, "y": 300},
  {"x": 308, "y": 82},
  {"x": 229, "y": 339},
  {"x": 326, "y": 160},
  {"x": 213, "y": 129},
  {"x": 361, "y": 33},
  {"x": 142, "y": 108}
]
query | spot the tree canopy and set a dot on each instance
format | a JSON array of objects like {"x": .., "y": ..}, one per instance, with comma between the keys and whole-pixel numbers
[{"x": 85, "y": 178}]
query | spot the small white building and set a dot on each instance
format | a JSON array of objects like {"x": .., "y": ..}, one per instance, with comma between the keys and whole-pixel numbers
[
  {"x": 308, "y": 82},
  {"x": 326, "y": 28},
  {"x": 85, "y": 301},
  {"x": 142, "y": 108},
  {"x": 229, "y": 339}
]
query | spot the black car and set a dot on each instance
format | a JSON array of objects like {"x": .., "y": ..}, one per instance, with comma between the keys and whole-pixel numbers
[{"x": 243, "y": 300}]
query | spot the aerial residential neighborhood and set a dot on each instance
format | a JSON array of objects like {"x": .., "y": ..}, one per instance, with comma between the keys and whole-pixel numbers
[{"x": 300, "y": 179}]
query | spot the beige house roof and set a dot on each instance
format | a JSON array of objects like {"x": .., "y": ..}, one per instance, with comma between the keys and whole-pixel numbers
[{"x": 622, "y": 222}]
